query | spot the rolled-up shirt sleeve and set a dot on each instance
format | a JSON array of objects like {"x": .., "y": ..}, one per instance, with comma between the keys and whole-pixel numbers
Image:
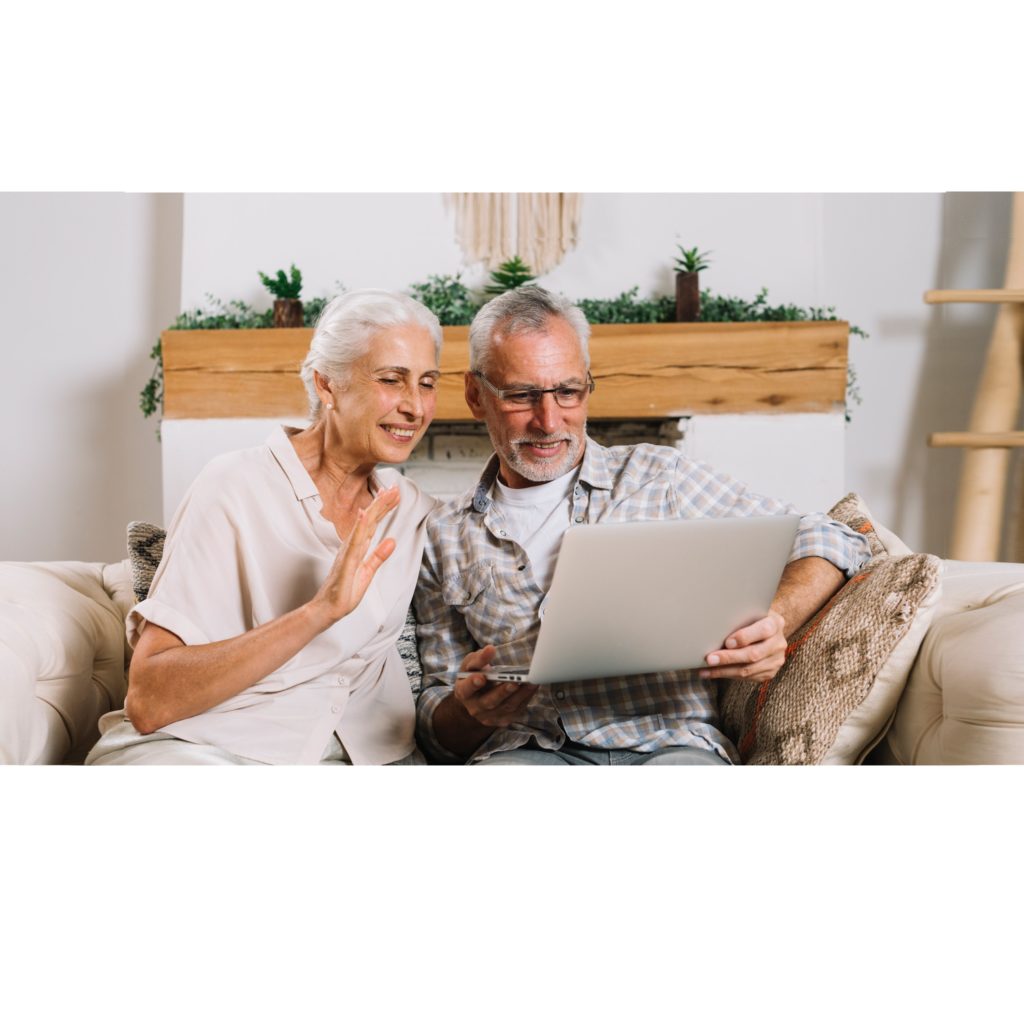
[
  {"x": 196, "y": 592},
  {"x": 821, "y": 537}
]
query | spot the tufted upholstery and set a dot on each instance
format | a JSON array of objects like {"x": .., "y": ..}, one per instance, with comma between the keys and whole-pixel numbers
[
  {"x": 964, "y": 700},
  {"x": 62, "y": 656}
]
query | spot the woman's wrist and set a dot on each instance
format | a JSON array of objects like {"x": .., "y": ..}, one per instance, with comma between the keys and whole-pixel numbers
[{"x": 318, "y": 615}]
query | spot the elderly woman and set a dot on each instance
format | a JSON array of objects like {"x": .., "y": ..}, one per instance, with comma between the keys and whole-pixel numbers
[{"x": 269, "y": 633}]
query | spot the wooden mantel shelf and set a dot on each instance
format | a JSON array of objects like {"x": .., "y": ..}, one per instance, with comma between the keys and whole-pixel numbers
[{"x": 643, "y": 371}]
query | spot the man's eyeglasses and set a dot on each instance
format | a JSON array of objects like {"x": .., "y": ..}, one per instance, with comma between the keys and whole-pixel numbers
[{"x": 568, "y": 396}]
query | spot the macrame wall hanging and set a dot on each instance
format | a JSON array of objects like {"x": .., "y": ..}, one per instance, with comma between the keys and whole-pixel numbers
[{"x": 538, "y": 227}]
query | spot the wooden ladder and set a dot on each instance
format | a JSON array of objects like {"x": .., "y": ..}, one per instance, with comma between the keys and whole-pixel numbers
[{"x": 978, "y": 521}]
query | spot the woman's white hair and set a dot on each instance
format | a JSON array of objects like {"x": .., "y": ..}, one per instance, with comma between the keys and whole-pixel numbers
[
  {"x": 346, "y": 327},
  {"x": 527, "y": 308}
]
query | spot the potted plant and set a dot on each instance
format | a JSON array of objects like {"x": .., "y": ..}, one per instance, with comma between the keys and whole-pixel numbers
[
  {"x": 287, "y": 307},
  {"x": 689, "y": 264}
]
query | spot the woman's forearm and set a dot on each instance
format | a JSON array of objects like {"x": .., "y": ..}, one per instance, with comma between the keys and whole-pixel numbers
[{"x": 169, "y": 680}]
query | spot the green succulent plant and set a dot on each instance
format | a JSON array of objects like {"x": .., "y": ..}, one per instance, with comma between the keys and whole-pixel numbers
[
  {"x": 508, "y": 275},
  {"x": 281, "y": 286},
  {"x": 690, "y": 261}
]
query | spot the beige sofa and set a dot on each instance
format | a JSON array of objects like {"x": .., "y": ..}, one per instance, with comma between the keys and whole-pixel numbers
[
  {"x": 63, "y": 656},
  {"x": 63, "y": 660}
]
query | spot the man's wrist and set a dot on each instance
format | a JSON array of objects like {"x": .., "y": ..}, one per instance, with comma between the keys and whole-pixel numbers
[{"x": 456, "y": 729}]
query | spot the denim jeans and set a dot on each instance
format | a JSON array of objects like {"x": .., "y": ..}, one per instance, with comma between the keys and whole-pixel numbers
[{"x": 576, "y": 753}]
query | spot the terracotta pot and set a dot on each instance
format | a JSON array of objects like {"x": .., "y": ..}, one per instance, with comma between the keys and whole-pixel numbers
[
  {"x": 287, "y": 313},
  {"x": 687, "y": 298}
]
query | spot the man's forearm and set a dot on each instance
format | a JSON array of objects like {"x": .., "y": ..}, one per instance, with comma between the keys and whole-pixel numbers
[{"x": 806, "y": 585}]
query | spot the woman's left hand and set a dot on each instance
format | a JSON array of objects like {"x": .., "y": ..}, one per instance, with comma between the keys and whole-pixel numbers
[{"x": 353, "y": 569}]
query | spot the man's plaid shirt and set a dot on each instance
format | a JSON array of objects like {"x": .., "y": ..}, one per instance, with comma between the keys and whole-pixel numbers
[{"x": 477, "y": 587}]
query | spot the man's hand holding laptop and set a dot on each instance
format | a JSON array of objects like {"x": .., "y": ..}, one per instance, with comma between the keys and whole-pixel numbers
[{"x": 758, "y": 651}]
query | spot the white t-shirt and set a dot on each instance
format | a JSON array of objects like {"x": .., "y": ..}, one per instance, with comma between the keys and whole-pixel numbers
[
  {"x": 249, "y": 544},
  {"x": 537, "y": 517}
]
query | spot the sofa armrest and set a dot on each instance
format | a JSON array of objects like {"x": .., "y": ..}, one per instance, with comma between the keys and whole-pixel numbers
[
  {"x": 62, "y": 657},
  {"x": 964, "y": 700}
]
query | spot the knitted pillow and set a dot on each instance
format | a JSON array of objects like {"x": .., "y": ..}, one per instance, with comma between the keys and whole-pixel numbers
[
  {"x": 146, "y": 548},
  {"x": 852, "y": 511},
  {"x": 845, "y": 669}
]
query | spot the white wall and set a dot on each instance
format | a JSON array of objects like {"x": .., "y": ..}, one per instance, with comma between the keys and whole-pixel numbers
[
  {"x": 363, "y": 241},
  {"x": 871, "y": 256},
  {"x": 88, "y": 281}
]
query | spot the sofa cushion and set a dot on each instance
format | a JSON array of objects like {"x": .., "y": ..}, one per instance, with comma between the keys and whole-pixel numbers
[
  {"x": 62, "y": 659},
  {"x": 964, "y": 701},
  {"x": 845, "y": 669}
]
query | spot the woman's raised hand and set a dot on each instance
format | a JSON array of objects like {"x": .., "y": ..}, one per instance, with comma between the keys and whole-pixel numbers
[{"x": 353, "y": 570}]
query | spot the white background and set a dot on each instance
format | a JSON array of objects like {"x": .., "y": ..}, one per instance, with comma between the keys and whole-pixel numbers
[{"x": 294, "y": 895}]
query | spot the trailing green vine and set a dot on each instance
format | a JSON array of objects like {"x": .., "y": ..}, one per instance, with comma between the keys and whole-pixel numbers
[
  {"x": 217, "y": 316},
  {"x": 447, "y": 298}
]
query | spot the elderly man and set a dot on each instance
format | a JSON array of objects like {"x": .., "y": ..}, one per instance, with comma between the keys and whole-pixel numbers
[{"x": 490, "y": 556}]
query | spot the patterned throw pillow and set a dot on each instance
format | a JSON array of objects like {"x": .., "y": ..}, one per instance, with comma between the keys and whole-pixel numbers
[
  {"x": 845, "y": 670},
  {"x": 146, "y": 548}
]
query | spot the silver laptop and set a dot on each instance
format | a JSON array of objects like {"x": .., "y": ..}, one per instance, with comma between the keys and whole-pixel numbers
[{"x": 629, "y": 598}]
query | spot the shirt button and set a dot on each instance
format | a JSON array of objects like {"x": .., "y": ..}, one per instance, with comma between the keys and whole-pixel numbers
[
  {"x": 335, "y": 709},
  {"x": 579, "y": 519},
  {"x": 502, "y": 533},
  {"x": 559, "y": 694}
]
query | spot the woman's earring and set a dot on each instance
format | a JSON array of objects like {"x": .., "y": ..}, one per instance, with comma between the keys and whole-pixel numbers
[{"x": 330, "y": 405}]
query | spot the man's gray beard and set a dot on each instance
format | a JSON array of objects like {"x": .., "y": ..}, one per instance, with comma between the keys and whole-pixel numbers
[{"x": 542, "y": 472}]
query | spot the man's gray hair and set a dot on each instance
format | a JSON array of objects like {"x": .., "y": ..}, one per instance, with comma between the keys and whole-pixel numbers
[
  {"x": 523, "y": 309},
  {"x": 346, "y": 327}
]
